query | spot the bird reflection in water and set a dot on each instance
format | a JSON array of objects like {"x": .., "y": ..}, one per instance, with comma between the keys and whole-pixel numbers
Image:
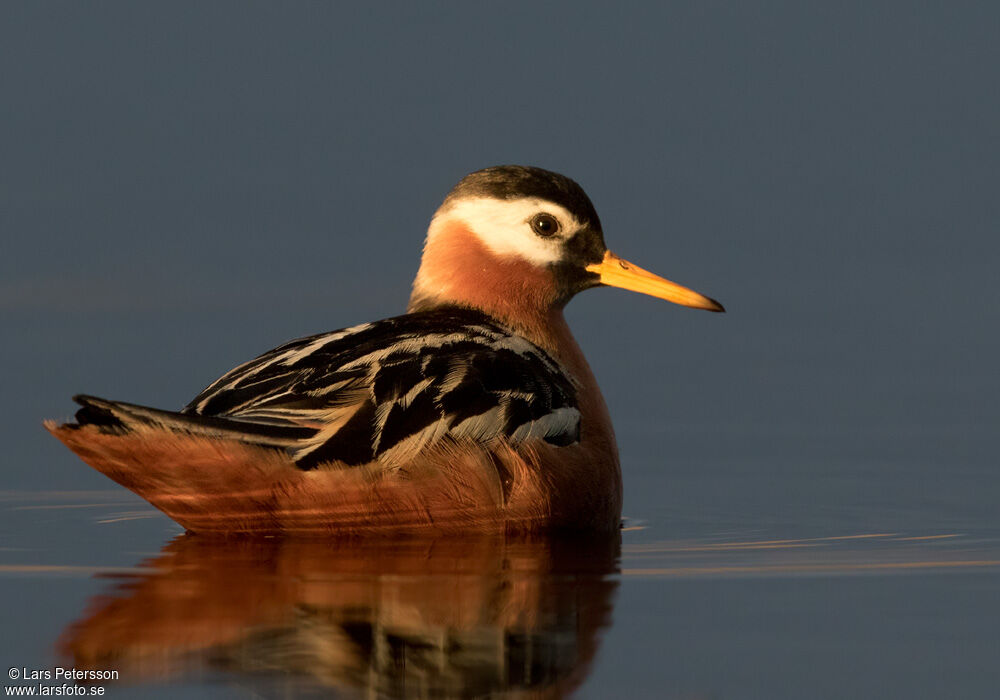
[{"x": 455, "y": 617}]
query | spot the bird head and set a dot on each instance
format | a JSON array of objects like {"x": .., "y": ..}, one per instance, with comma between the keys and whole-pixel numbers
[{"x": 514, "y": 240}]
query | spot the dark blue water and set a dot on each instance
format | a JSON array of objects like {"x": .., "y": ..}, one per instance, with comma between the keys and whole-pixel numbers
[
  {"x": 811, "y": 479},
  {"x": 715, "y": 613}
]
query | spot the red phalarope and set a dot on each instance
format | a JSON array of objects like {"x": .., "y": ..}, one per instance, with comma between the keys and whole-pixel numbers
[{"x": 474, "y": 411}]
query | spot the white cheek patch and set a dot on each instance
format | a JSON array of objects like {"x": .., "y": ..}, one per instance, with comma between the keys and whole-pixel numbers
[{"x": 503, "y": 225}]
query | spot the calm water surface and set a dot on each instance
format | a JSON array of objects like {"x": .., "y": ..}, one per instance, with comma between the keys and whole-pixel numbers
[{"x": 722, "y": 610}]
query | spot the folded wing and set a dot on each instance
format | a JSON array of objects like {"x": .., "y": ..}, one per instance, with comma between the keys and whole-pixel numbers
[{"x": 384, "y": 391}]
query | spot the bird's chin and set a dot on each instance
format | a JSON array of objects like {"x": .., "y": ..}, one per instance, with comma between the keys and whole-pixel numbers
[{"x": 572, "y": 279}]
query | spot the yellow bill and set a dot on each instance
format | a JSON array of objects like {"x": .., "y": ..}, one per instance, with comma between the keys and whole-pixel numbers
[{"x": 616, "y": 272}]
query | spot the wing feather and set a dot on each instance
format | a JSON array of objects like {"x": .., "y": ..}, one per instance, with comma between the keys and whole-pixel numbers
[{"x": 384, "y": 391}]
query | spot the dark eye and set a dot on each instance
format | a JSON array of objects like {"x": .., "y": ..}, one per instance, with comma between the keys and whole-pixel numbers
[{"x": 545, "y": 225}]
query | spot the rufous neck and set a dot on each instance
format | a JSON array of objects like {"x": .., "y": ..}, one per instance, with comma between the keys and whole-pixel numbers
[{"x": 457, "y": 268}]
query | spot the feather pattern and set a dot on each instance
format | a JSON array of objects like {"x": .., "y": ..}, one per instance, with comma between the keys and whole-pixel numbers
[{"x": 384, "y": 391}]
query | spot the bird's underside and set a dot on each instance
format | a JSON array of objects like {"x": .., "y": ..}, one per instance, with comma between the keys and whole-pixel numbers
[{"x": 225, "y": 487}]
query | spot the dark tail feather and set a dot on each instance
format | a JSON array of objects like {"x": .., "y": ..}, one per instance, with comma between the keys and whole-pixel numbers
[{"x": 121, "y": 417}]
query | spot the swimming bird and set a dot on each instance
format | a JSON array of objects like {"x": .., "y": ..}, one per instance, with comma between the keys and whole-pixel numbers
[{"x": 474, "y": 411}]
